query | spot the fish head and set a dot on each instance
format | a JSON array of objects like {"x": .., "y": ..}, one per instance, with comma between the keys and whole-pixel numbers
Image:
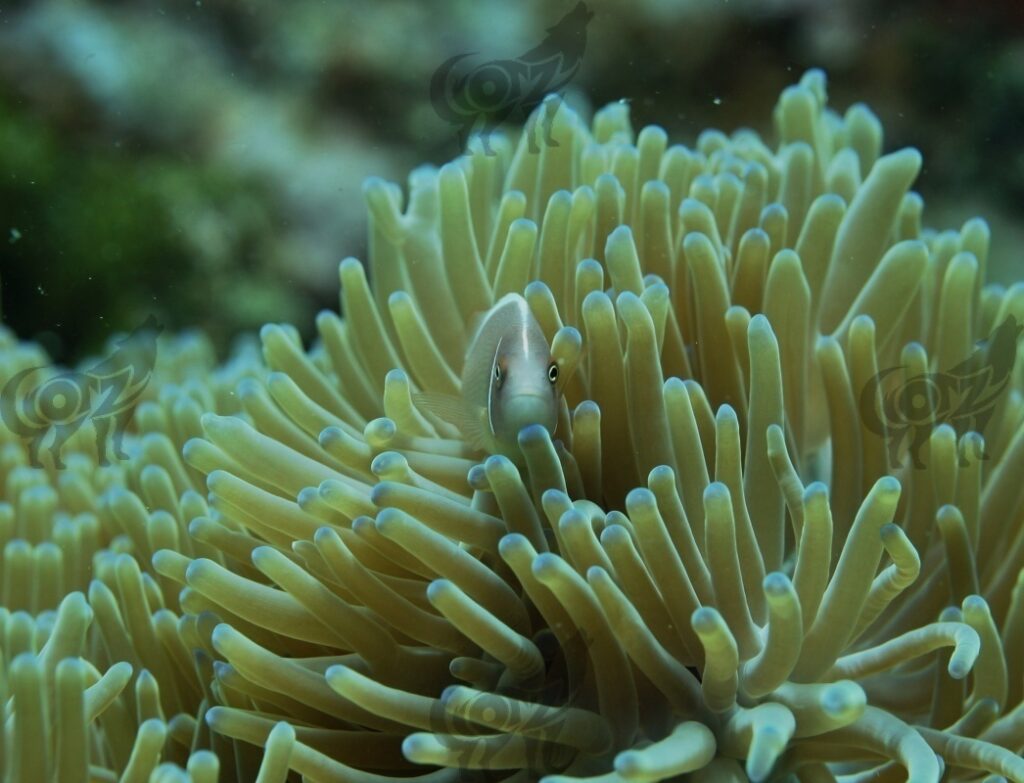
[{"x": 523, "y": 391}]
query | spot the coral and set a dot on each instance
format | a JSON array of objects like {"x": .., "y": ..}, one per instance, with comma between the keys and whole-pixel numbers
[{"x": 718, "y": 567}]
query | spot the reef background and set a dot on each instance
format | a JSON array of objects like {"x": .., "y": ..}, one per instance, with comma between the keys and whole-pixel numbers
[
  {"x": 201, "y": 161},
  {"x": 291, "y": 552}
]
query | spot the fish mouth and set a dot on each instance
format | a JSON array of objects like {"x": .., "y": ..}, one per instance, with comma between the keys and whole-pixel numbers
[
  {"x": 536, "y": 406},
  {"x": 536, "y": 395}
]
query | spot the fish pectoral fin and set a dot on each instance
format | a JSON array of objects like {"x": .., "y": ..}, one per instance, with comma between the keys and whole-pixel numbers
[
  {"x": 446, "y": 407},
  {"x": 472, "y": 422},
  {"x": 477, "y": 430}
]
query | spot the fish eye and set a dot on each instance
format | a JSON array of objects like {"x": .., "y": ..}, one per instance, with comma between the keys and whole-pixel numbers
[
  {"x": 497, "y": 372},
  {"x": 552, "y": 372}
]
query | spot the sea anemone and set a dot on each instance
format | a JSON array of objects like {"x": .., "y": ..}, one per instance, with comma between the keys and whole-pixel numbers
[{"x": 769, "y": 537}]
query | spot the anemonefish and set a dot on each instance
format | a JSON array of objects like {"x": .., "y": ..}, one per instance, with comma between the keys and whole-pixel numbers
[{"x": 509, "y": 381}]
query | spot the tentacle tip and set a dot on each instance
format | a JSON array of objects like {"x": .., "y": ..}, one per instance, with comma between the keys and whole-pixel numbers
[
  {"x": 324, "y": 534},
  {"x": 640, "y": 499},
  {"x": 510, "y": 542},
  {"x": 888, "y": 485},
  {"x": 496, "y": 463},
  {"x": 416, "y": 746},
  {"x": 378, "y": 494},
  {"x": 975, "y": 605},
  {"x": 545, "y": 565},
  {"x": 214, "y": 716},
  {"x": 452, "y": 693},
  {"x": 533, "y": 434},
  {"x": 477, "y": 478},
  {"x": 349, "y": 265},
  {"x": 396, "y": 375},
  {"x": 596, "y": 574},
  {"x": 843, "y": 697},
  {"x": 704, "y": 619},
  {"x": 439, "y": 589},
  {"x": 726, "y": 414},
  {"x": 777, "y": 585},
  {"x": 262, "y": 556},
  {"x": 958, "y": 669},
  {"x": 662, "y": 473},
  {"x": 382, "y": 428},
  {"x": 716, "y": 492},
  {"x": 816, "y": 490}
]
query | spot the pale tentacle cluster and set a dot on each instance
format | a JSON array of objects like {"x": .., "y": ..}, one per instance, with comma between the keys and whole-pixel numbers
[{"x": 712, "y": 571}]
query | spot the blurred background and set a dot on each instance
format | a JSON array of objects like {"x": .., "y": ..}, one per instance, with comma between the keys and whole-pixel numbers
[{"x": 202, "y": 161}]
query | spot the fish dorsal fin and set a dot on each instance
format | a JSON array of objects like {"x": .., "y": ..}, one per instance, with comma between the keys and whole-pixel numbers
[
  {"x": 476, "y": 320},
  {"x": 469, "y": 419}
]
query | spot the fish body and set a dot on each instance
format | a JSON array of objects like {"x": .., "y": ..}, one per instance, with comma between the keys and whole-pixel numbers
[{"x": 509, "y": 381}]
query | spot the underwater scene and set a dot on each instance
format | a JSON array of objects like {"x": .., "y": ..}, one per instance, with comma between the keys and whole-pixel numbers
[{"x": 574, "y": 391}]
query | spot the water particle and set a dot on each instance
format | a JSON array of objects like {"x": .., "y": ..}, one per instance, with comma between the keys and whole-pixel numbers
[{"x": 15, "y": 235}]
